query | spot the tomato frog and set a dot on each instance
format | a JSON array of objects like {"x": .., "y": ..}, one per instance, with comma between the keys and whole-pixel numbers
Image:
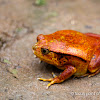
[{"x": 73, "y": 52}]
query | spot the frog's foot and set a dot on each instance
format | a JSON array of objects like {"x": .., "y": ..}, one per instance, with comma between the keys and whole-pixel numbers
[
  {"x": 52, "y": 81},
  {"x": 68, "y": 72},
  {"x": 42, "y": 79},
  {"x": 98, "y": 71}
]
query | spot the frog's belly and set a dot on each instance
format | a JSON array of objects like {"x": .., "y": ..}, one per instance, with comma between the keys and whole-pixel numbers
[{"x": 81, "y": 70}]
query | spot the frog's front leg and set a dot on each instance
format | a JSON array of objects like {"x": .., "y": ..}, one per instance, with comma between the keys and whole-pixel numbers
[{"x": 68, "y": 72}]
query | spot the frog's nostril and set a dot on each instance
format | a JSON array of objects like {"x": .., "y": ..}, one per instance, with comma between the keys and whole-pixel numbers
[{"x": 34, "y": 47}]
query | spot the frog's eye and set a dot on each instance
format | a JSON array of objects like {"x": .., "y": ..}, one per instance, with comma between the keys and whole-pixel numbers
[{"x": 44, "y": 51}]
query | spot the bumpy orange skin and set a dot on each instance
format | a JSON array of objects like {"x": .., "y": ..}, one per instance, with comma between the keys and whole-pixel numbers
[{"x": 71, "y": 51}]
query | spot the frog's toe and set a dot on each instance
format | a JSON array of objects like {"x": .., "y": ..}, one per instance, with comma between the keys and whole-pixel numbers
[
  {"x": 91, "y": 75},
  {"x": 53, "y": 74},
  {"x": 50, "y": 79},
  {"x": 42, "y": 79},
  {"x": 52, "y": 82}
]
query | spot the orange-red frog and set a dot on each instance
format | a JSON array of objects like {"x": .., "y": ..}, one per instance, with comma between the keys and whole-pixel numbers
[{"x": 76, "y": 53}]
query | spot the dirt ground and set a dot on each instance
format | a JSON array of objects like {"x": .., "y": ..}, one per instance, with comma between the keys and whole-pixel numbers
[{"x": 20, "y": 23}]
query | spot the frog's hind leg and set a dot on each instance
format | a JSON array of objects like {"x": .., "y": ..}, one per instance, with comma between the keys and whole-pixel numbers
[
  {"x": 97, "y": 36},
  {"x": 98, "y": 71},
  {"x": 94, "y": 66}
]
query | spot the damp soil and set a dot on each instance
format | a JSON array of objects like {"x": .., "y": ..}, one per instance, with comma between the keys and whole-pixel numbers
[{"x": 20, "y": 23}]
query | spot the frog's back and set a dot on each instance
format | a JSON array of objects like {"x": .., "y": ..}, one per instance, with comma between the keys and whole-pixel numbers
[{"x": 73, "y": 43}]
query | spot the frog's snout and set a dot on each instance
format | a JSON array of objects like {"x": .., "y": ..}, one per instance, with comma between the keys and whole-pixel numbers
[{"x": 34, "y": 47}]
